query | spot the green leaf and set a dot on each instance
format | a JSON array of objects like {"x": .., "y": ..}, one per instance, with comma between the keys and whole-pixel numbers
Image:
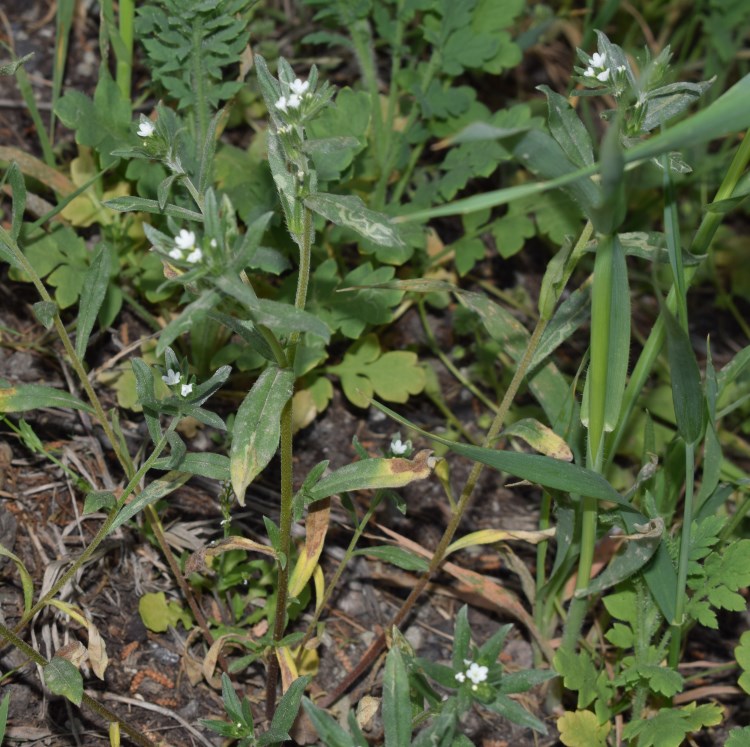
[
  {"x": 6, "y": 700},
  {"x": 371, "y": 474},
  {"x": 97, "y": 499},
  {"x": 32, "y": 396},
  {"x": 397, "y": 556},
  {"x": 516, "y": 713},
  {"x": 351, "y": 212},
  {"x": 45, "y": 312},
  {"x": 9, "y": 68},
  {"x": 461, "y": 638},
  {"x": 206, "y": 464},
  {"x": 687, "y": 390},
  {"x": 286, "y": 712},
  {"x": 582, "y": 729},
  {"x": 669, "y": 726},
  {"x": 158, "y": 489},
  {"x": 157, "y": 614},
  {"x": 567, "y": 128},
  {"x": 95, "y": 284},
  {"x": 394, "y": 375},
  {"x": 396, "y": 701},
  {"x": 327, "y": 727},
  {"x": 62, "y": 678},
  {"x": 257, "y": 427},
  {"x": 103, "y": 123},
  {"x": 510, "y": 233},
  {"x": 128, "y": 204}
]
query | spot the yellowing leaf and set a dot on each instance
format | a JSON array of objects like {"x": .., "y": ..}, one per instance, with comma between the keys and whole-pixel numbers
[
  {"x": 541, "y": 438},
  {"x": 490, "y": 536},
  {"x": 316, "y": 527}
]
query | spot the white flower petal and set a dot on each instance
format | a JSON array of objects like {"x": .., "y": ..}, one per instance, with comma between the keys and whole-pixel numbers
[
  {"x": 146, "y": 128},
  {"x": 589, "y": 72},
  {"x": 461, "y": 677},
  {"x": 299, "y": 86},
  {"x": 598, "y": 60},
  {"x": 186, "y": 389},
  {"x": 176, "y": 253},
  {"x": 603, "y": 76},
  {"x": 185, "y": 239},
  {"x": 195, "y": 256},
  {"x": 294, "y": 101},
  {"x": 281, "y": 104},
  {"x": 172, "y": 377}
]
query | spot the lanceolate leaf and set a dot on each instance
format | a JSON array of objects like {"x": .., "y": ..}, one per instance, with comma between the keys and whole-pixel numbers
[
  {"x": 157, "y": 490},
  {"x": 31, "y": 396},
  {"x": 92, "y": 296},
  {"x": 567, "y": 129},
  {"x": 352, "y": 213},
  {"x": 257, "y": 427}
]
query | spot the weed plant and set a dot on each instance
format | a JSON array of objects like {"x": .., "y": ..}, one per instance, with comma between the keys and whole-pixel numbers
[{"x": 264, "y": 264}]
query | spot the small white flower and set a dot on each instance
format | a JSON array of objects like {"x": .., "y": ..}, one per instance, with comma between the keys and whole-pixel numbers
[
  {"x": 186, "y": 389},
  {"x": 281, "y": 104},
  {"x": 598, "y": 60},
  {"x": 294, "y": 101},
  {"x": 467, "y": 662},
  {"x": 176, "y": 253},
  {"x": 213, "y": 243},
  {"x": 400, "y": 447},
  {"x": 603, "y": 76},
  {"x": 589, "y": 72},
  {"x": 298, "y": 86},
  {"x": 477, "y": 673},
  {"x": 146, "y": 129},
  {"x": 461, "y": 677},
  {"x": 185, "y": 239},
  {"x": 195, "y": 256},
  {"x": 621, "y": 68},
  {"x": 172, "y": 377},
  {"x": 474, "y": 688}
]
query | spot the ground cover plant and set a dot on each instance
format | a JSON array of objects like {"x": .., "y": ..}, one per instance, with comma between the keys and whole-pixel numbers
[{"x": 419, "y": 259}]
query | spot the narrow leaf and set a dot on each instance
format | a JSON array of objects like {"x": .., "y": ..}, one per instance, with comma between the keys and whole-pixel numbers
[
  {"x": 158, "y": 489},
  {"x": 396, "y": 701},
  {"x": 127, "y": 204},
  {"x": 32, "y": 396},
  {"x": 95, "y": 284}
]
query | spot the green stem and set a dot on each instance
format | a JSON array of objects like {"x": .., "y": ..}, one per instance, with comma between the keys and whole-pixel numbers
[
  {"x": 125, "y": 66},
  {"x": 675, "y": 642},
  {"x": 103, "y": 711},
  {"x": 700, "y": 245},
  {"x": 103, "y": 530},
  {"x": 287, "y": 467}
]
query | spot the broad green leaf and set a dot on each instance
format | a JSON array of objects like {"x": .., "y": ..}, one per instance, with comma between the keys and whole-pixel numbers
[
  {"x": 94, "y": 289},
  {"x": 668, "y": 727},
  {"x": 32, "y": 396},
  {"x": 350, "y": 211},
  {"x": 158, "y": 489},
  {"x": 582, "y": 729},
  {"x": 257, "y": 427},
  {"x": 396, "y": 701},
  {"x": 157, "y": 614},
  {"x": 397, "y": 556},
  {"x": 127, "y": 204},
  {"x": 27, "y": 583},
  {"x": 62, "y": 678},
  {"x": 365, "y": 371}
]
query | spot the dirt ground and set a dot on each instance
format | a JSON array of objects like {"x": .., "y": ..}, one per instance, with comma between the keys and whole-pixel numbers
[{"x": 147, "y": 679}]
